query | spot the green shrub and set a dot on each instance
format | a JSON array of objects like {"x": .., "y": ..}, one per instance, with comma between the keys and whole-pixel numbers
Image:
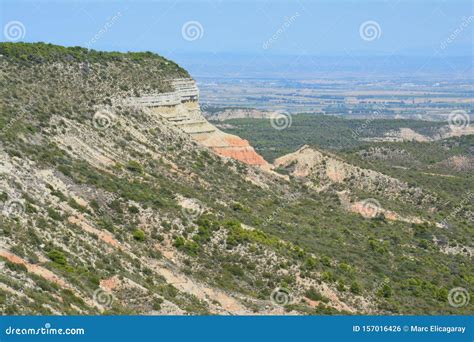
[
  {"x": 134, "y": 166},
  {"x": 237, "y": 206},
  {"x": 73, "y": 203},
  {"x": 16, "y": 267},
  {"x": 133, "y": 209},
  {"x": 385, "y": 291},
  {"x": 355, "y": 288},
  {"x": 139, "y": 235},
  {"x": 314, "y": 294},
  {"x": 54, "y": 214},
  {"x": 57, "y": 257},
  {"x": 179, "y": 241}
]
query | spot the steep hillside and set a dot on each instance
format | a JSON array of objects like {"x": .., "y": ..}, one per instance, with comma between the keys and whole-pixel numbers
[
  {"x": 118, "y": 197},
  {"x": 324, "y": 171}
]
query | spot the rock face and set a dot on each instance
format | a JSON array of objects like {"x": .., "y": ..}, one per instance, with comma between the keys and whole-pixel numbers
[
  {"x": 237, "y": 113},
  {"x": 181, "y": 109}
]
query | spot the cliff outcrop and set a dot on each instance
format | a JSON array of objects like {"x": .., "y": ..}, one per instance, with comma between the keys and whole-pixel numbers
[{"x": 180, "y": 108}]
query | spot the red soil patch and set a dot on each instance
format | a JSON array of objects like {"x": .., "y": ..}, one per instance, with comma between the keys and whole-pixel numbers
[
  {"x": 246, "y": 154},
  {"x": 36, "y": 269},
  {"x": 109, "y": 284},
  {"x": 104, "y": 236}
]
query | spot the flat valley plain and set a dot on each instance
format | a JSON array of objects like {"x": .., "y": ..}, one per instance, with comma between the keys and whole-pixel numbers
[{"x": 397, "y": 97}]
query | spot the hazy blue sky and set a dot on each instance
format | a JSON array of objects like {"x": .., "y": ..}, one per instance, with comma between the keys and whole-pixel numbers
[{"x": 312, "y": 27}]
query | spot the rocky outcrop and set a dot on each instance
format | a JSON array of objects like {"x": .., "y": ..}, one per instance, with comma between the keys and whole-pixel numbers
[
  {"x": 323, "y": 170},
  {"x": 459, "y": 163},
  {"x": 407, "y": 134},
  {"x": 181, "y": 109},
  {"x": 237, "y": 113}
]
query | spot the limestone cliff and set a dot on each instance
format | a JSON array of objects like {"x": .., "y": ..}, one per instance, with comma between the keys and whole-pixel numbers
[{"x": 181, "y": 109}]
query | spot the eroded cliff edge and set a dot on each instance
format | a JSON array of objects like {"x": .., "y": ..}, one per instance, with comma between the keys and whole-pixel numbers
[{"x": 180, "y": 108}]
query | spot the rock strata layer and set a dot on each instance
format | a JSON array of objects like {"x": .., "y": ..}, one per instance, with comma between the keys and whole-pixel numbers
[{"x": 181, "y": 109}]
